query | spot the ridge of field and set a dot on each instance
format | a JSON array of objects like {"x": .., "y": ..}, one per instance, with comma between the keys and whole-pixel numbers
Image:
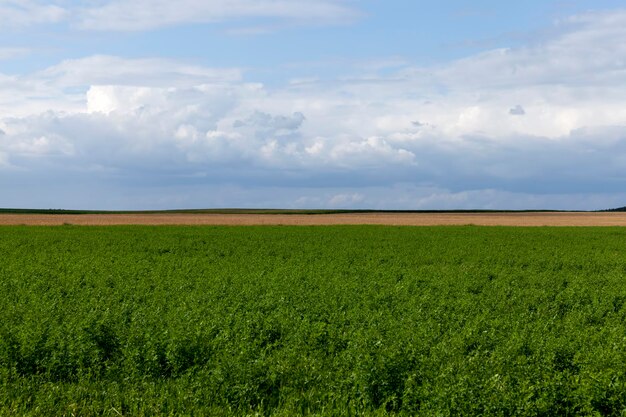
[{"x": 331, "y": 320}]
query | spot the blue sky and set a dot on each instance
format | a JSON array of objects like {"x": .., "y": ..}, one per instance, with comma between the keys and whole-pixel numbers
[{"x": 151, "y": 104}]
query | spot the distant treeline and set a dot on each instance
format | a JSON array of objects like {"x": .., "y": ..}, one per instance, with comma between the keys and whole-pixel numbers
[{"x": 264, "y": 211}]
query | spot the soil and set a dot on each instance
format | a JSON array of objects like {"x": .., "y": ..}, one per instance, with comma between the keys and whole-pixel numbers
[{"x": 400, "y": 219}]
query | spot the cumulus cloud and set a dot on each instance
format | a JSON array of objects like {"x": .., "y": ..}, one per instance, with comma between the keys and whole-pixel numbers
[
  {"x": 267, "y": 121},
  {"x": 442, "y": 130},
  {"x": 69, "y": 85}
]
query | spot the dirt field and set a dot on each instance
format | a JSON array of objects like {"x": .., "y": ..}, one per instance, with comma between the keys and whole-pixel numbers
[{"x": 405, "y": 219}]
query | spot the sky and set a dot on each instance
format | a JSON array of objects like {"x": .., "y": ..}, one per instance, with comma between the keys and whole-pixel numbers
[{"x": 377, "y": 104}]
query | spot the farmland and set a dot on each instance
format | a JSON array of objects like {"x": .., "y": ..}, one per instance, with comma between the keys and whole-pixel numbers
[
  {"x": 312, "y": 218},
  {"x": 324, "y": 320}
]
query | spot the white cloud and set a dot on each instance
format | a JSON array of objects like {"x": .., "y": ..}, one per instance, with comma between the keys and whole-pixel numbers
[
  {"x": 346, "y": 200},
  {"x": 156, "y": 72},
  {"x": 445, "y": 130},
  {"x": 73, "y": 85},
  {"x": 134, "y": 15},
  {"x": 267, "y": 121},
  {"x": 410, "y": 197},
  {"x": 490, "y": 199},
  {"x": 587, "y": 51},
  {"x": 141, "y": 15},
  {"x": 19, "y": 13},
  {"x": 13, "y": 53}
]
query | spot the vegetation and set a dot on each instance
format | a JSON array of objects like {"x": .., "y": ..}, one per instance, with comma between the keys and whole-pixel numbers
[
  {"x": 258, "y": 211},
  {"x": 348, "y": 320}
]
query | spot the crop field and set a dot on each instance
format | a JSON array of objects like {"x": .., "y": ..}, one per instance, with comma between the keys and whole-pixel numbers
[
  {"x": 323, "y": 320},
  {"x": 313, "y": 218}
]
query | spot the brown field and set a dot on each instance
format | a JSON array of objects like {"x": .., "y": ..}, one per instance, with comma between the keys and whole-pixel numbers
[{"x": 400, "y": 219}]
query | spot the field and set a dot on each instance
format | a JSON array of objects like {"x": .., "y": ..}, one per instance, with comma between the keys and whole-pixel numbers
[
  {"x": 311, "y": 218},
  {"x": 325, "y": 320}
]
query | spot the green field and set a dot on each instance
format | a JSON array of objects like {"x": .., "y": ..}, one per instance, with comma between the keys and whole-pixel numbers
[{"x": 343, "y": 320}]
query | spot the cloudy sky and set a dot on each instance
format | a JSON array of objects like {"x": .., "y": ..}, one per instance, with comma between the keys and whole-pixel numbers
[{"x": 384, "y": 104}]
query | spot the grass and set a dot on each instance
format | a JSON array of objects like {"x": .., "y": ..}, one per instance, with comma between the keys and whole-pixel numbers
[{"x": 340, "y": 320}]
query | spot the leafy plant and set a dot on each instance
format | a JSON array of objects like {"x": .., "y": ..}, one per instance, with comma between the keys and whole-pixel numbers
[{"x": 340, "y": 320}]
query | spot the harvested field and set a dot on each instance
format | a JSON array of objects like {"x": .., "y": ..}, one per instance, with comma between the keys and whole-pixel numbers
[{"x": 399, "y": 219}]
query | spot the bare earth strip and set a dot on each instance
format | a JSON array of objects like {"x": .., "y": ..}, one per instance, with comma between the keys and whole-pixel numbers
[{"x": 400, "y": 219}]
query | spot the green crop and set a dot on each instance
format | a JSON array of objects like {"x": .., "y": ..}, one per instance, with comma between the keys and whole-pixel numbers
[{"x": 285, "y": 321}]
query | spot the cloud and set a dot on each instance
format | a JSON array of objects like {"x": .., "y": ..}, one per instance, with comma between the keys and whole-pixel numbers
[
  {"x": 151, "y": 72},
  {"x": 274, "y": 123},
  {"x": 583, "y": 51},
  {"x": 152, "y": 14},
  {"x": 73, "y": 85},
  {"x": 13, "y": 53},
  {"x": 21, "y": 13},
  {"x": 346, "y": 200},
  {"x": 248, "y": 16},
  {"x": 436, "y": 137}
]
